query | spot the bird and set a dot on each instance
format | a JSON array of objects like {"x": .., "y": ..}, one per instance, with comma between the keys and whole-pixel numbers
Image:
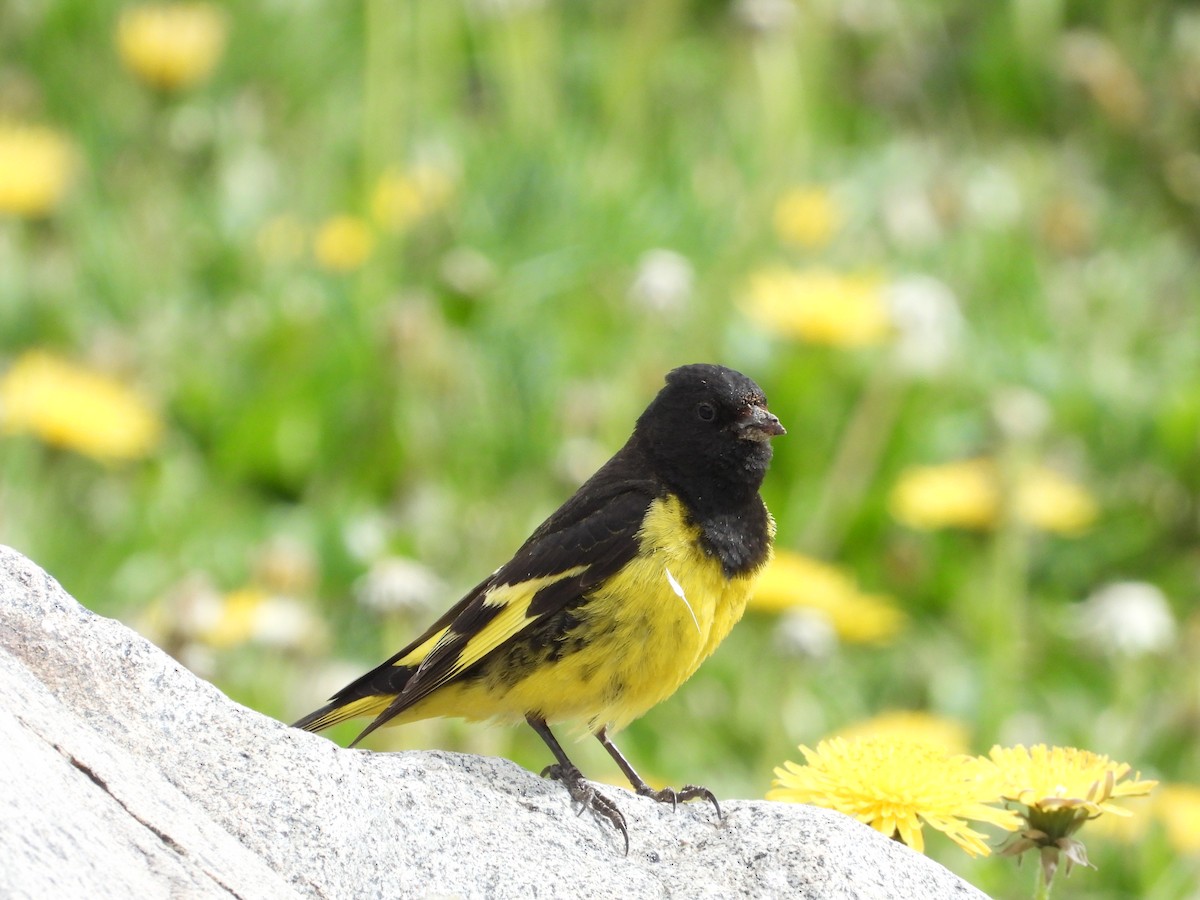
[{"x": 614, "y": 601}]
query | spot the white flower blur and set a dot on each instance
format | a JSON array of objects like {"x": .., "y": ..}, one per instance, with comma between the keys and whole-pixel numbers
[
  {"x": 395, "y": 584},
  {"x": 366, "y": 536},
  {"x": 1020, "y": 413},
  {"x": 910, "y": 218},
  {"x": 468, "y": 271},
  {"x": 765, "y": 16},
  {"x": 806, "y": 633},
  {"x": 1127, "y": 618},
  {"x": 663, "y": 282},
  {"x": 992, "y": 197},
  {"x": 929, "y": 326},
  {"x": 286, "y": 623}
]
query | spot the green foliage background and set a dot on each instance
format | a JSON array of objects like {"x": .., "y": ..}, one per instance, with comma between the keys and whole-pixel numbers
[{"x": 299, "y": 402}]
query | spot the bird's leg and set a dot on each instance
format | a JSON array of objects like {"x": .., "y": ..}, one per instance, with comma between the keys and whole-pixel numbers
[
  {"x": 581, "y": 792},
  {"x": 666, "y": 795}
]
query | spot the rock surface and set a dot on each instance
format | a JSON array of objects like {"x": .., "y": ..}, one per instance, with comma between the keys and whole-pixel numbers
[{"x": 123, "y": 775}]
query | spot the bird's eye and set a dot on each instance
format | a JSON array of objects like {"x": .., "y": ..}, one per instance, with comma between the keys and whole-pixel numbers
[{"x": 706, "y": 412}]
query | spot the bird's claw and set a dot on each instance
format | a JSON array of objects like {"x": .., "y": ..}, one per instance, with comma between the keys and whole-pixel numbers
[
  {"x": 588, "y": 797},
  {"x": 687, "y": 792}
]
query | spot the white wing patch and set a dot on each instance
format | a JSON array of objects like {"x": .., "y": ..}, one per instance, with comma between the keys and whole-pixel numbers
[{"x": 678, "y": 589}]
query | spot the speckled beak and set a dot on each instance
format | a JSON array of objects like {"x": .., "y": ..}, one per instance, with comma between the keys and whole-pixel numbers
[{"x": 758, "y": 424}]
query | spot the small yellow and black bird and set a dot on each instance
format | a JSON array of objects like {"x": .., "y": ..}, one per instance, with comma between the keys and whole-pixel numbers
[{"x": 615, "y": 600}]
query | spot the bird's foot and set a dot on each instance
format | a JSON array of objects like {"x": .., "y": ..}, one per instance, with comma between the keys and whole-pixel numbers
[
  {"x": 687, "y": 792},
  {"x": 587, "y": 797}
]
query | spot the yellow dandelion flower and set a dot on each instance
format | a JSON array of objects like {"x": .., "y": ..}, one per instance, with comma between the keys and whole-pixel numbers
[
  {"x": 69, "y": 406},
  {"x": 1047, "y": 500},
  {"x": 36, "y": 169},
  {"x": 911, "y": 725},
  {"x": 171, "y": 46},
  {"x": 1178, "y": 809},
  {"x": 396, "y": 201},
  {"x": 820, "y": 306},
  {"x": 343, "y": 243},
  {"x": 233, "y": 622},
  {"x": 792, "y": 580},
  {"x": 807, "y": 217},
  {"x": 253, "y": 615},
  {"x": 967, "y": 494},
  {"x": 959, "y": 494},
  {"x": 402, "y": 198},
  {"x": 897, "y": 787},
  {"x": 1054, "y": 778},
  {"x": 1057, "y": 790}
]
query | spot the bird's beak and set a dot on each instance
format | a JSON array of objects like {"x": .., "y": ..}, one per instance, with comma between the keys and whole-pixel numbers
[{"x": 757, "y": 424}]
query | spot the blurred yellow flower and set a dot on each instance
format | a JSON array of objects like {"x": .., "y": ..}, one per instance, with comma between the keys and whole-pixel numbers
[
  {"x": 1049, "y": 501},
  {"x": 402, "y": 198},
  {"x": 171, "y": 46},
  {"x": 1178, "y": 808},
  {"x": 343, "y": 243},
  {"x": 253, "y": 615},
  {"x": 807, "y": 217},
  {"x": 791, "y": 580},
  {"x": 959, "y": 494},
  {"x": 967, "y": 494},
  {"x": 820, "y": 306},
  {"x": 69, "y": 406},
  {"x": 897, "y": 787},
  {"x": 233, "y": 619},
  {"x": 1129, "y": 829},
  {"x": 36, "y": 167},
  {"x": 1060, "y": 788},
  {"x": 910, "y": 725}
]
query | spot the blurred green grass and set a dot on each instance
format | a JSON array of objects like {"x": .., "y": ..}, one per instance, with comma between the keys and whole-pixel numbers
[{"x": 1037, "y": 159}]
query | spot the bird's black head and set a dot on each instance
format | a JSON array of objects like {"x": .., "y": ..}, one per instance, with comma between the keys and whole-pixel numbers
[{"x": 708, "y": 434}]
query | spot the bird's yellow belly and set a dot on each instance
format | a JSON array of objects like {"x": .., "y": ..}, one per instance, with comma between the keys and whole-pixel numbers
[
  {"x": 643, "y": 633},
  {"x": 666, "y": 614}
]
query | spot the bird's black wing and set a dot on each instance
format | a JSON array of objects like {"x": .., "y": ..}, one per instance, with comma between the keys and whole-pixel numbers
[{"x": 587, "y": 540}]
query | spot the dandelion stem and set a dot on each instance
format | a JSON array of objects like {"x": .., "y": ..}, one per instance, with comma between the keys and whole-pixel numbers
[
  {"x": 855, "y": 463},
  {"x": 1001, "y": 616},
  {"x": 1041, "y": 886}
]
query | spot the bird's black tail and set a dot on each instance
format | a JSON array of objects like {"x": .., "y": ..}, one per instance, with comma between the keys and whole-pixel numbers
[{"x": 369, "y": 695}]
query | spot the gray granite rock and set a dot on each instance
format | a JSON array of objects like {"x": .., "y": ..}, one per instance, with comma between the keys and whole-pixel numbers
[{"x": 123, "y": 775}]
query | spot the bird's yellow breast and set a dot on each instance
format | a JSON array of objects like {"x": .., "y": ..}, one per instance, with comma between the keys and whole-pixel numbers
[{"x": 642, "y": 633}]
